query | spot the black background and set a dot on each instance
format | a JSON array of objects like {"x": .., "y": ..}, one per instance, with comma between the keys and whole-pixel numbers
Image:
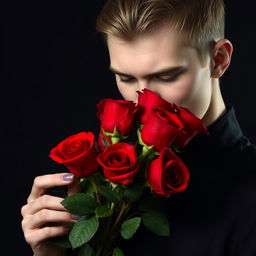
[{"x": 54, "y": 70}]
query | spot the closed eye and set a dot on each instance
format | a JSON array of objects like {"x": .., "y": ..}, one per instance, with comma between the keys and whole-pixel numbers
[
  {"x": 159, "y": 77},
  {"x": 167, "y": 78},
  {"x": 126, "y": 79}
]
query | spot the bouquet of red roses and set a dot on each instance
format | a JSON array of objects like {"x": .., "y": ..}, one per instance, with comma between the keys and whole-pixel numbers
[{"x": 132, "y": 162}]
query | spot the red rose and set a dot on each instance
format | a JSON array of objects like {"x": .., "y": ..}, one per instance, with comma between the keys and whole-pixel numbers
[
  {"x": 192, "y": 126},
  {"x": 116, "y": 113},
  {"x": 161, "y": 129},
  {"x": 167, "y": 174},
  {"x": 119, "y": 162},
  {"x": 77, "y": 153},
  {"x": 147, "y": 100}
]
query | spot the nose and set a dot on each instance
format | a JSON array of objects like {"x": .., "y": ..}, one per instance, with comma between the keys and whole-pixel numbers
[{"x": 143, "y": 84}]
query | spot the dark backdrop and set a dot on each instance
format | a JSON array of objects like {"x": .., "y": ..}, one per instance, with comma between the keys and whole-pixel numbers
[{"x": 54, "y": 69}]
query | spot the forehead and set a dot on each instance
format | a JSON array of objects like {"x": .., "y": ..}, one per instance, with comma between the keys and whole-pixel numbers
[{"x": 148, "y": 52}]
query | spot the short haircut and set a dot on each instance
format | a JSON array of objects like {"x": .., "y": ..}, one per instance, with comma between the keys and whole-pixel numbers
[{"x": 201, "y": 21}]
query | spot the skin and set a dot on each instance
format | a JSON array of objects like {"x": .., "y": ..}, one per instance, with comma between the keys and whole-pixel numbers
[
  {"x": 41, "y": 210},
  {"x": 148, "y": 61}
]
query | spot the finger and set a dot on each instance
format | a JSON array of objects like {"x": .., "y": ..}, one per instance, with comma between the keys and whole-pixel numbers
[
  {"x": 44, "y": 217},
  {"x": 74, "y": 187},
  {"x": 43, "y": 202},
  {"x": 35, "y": 237},
  {"x": 41, "y": 183}
]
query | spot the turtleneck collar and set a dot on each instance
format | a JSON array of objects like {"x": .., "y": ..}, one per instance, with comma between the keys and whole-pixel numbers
[
  {"x": 224, "y": 133},
  {"x": 225, "y": 150}
]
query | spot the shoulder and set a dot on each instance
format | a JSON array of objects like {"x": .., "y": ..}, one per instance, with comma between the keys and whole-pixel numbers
[{"x": 241, "y": 158}]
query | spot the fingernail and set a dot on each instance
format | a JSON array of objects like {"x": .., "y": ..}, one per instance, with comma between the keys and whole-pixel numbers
[
  {"x": 75, "y": 217},
  {"x": 68, "y": 177}
]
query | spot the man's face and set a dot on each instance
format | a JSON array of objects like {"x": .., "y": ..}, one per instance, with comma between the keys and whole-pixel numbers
[{"x": 161, "y": 62}]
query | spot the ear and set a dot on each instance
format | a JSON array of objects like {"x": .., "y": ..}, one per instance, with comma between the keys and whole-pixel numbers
[{"x": 221, "y": 57}]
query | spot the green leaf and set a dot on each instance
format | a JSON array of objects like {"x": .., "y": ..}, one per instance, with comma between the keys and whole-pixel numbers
[
  {"x": 87, "y": 187},
  {"x": 156, "y": 222},
  {"x": 83, "y": 230},
  {"x": 85, "y": 250},
  {"x": 80, "y": 204},
  {"x": 103, "y": 211},
  {"x": 105, "y": 142},
  {"x": 117, "y": 252},
  {"x": 133, "y": 192},
  {"x": 61, "y": 241},
  {"x": 109, "y": 194},
  {"x": 129, "y": 227}
]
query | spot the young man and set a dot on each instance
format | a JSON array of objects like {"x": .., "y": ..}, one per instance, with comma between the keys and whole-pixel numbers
[{"x": 176, "y": 48}]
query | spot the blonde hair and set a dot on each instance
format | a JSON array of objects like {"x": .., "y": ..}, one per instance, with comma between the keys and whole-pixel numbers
[{"x": 201, "y": 21}]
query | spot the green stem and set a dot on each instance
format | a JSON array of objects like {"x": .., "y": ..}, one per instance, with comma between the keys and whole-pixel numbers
[
  {"x": 104, "y": 241},
  {"x": 107, "y": 236},
  {"x": 94, "y": 186},
  {"x": 96, "y": 191},
  {"x": 112, "y": 206},
  {"x": 123, "y": 207},
  {"x": 116, "y": 227}
]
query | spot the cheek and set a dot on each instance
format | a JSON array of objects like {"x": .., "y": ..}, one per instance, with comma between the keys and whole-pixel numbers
[
  {"x": 180, "y": 91},
  {"x": 192, "y": 91},
  {"x": 198, "y": 93},
  {"x": 128, "y": 92},
  {"x": 188, "y": 88}
]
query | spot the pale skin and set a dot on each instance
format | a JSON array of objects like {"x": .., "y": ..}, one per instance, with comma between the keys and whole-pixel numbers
[
  {"x": 158, "y": 61},
  {"x": 42, "y": 209}
]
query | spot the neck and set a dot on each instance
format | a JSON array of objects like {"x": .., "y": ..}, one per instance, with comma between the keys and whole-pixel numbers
[{"x": 217, "y": 106}]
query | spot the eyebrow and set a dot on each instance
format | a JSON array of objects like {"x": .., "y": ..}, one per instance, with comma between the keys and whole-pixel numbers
[{"x": 169, "y": 70}]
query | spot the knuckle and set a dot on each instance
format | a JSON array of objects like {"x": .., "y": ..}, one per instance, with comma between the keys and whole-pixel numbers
[
  {"x": 37, "y": 181},
  {"x": 44, "y": 199},
  {"x": 43, "y": 214},
  {"x": 30, "y": 238},
  {"x": 24, "y": 223},
  {"x": 23, "y": 210},
  {"x": 47, "y": 232},
  {"x": 29, "y": 199}
]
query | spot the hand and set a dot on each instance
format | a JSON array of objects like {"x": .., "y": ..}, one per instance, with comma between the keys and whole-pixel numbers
[{"x": 42, "y": 210}]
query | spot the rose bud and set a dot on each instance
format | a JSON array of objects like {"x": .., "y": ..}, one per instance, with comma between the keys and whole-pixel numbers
[
  {"x": 117, "y": 114},
  {"x": 167, "y": 174},
  {"x": 119, "y": 163},
  {"x": 77, "y": 153},
  {"x": 161, "y": 129},
  {"x": 147, "y": 100},
  {"x": 192, "y": 126}
]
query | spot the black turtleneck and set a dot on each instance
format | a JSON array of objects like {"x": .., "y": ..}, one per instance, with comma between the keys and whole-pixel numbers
[{"x": 216, "y": 215}]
